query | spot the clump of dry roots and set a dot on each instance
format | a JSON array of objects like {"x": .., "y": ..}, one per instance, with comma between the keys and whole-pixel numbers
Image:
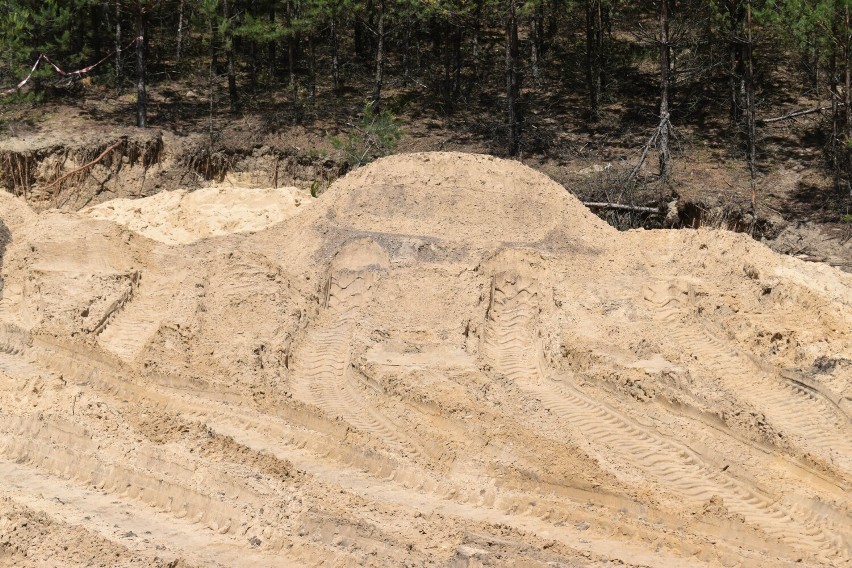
[
  {"x": 209, "y": 165},
  {"x": 43, "y": 174},
  {"x": 17, "y": 170}
]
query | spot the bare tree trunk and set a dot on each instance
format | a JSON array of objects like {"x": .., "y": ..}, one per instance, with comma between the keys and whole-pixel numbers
[
  {"x": 362, "y": 42},
  {"x": 141, "y": 95},
  {"x": 513, "y": 82},
  {"x": 253, "y": 66},
  {"x": 272, "y": 51},
  {"x": 457, "y": 59},
  {"x": 418, "y": 53},
  {"x": 96, "y": 39},
  {"x": 847, "y": 100},
  {"x": 665, "y": 69},
  {"x": 380, "y": 62},
  {"x": 291, "y": 62},
  {"x": 835, "y": 108},
  {"x": 118, "y": 46},
  {"x": 810, "y": 61},
  {"x": 229, "y": 52},
  {"x": 211, "y": 79},
  {"x": 291, "y": 73},
  {"x": 406, "y": 46},
  {"x": 179, "y": 47},
  {"x": 594, "y": 47},
  {"x": 312, "y": 75},
  {"x": 335, "y": 60},
  {"x": 446, "y": 55},
  {"x": 750, "y": 106},
  {"x": 735, "y": 71},
  {"x": 535, "y": 42}
]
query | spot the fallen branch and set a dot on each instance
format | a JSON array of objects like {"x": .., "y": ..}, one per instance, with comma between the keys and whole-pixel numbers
[
  {"x": 651, "y": 142},
  {"x": 620, "y": 207},
  {"x": 793, "y": 115},
  {"x": 86, "y": 166}
]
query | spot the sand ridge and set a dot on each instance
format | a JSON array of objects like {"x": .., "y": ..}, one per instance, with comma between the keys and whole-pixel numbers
[{"x": 444, "y": 360}]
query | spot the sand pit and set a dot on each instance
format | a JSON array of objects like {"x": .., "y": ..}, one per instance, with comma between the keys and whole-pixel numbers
[
  {"x": 180, "y": 217},
  {"x": 445, "y": 360}
]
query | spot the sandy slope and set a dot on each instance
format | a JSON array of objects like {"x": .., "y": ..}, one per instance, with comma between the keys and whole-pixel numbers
[
  {"x": 181, "y": 217},
  {"x": 445, "y": 360}
]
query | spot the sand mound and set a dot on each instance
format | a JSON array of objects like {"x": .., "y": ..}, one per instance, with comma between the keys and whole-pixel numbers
[
  {"x": 454, "y": 196},
  {"x": 180, "y": 217},
  {"x": 445, "y": 360}
]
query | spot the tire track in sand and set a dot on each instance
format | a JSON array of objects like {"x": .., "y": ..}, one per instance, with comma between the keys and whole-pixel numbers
[
  {"x": 807, "y": 416},
  {"x": 512, "y": 348},
  {"x": 127, "y": 332},
  {"x": 322, "y": 371},
  {"x": 320, "y": 455}
]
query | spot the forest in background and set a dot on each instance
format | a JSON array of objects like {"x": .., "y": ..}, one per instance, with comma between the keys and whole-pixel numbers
[{"x": 515, "y": 73}]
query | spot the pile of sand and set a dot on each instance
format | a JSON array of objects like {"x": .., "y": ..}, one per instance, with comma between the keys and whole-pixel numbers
[
  {"x": 445, "y": 360},
  {"x": 179, "y": 217}
]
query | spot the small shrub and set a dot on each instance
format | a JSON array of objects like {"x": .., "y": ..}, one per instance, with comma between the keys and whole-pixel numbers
[{"x": 375, "y": 135}]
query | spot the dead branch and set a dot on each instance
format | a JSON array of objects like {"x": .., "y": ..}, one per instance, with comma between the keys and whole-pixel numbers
[
  {"x": 651, "y": 142},
  {"x": 86, "y": 166},
  {"x": 620, "y": 207},
  {"x": 792, "y": 115}
]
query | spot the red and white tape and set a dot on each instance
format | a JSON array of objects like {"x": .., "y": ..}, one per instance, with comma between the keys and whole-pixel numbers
[
  {"x": 24, "y": 82},
  {"x": 78, "y": 72}
]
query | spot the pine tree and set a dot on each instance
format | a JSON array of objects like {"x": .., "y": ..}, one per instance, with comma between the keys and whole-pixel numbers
[{"x": 15, "y": 24}]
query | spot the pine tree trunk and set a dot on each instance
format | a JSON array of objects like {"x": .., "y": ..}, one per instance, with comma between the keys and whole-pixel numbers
[
  {"x": 118, "y": 47},
  {"x": 141, "y": 95},
  {"x": 534, "y": 44},
  {"x": 457, "y": 66},
  {"x": 312, "y": 75},
  {"x": 291, "y": 73},
  {"x": 513, "y": 83},
  {"x": 96, "y": 39},
  {"x": 751, "y": 121},
  {"x": 810, "y": 61},
  {"x": 446, "y": 56},
  {"x": 418, "y": 54},
  {"x": 335, "y": 61},
  {"x": 537, "y": 41},
  {"x": 847, "y": 101},
  {"x": 406, "y": 46},
  {"x": 553, "y": 21},
  {"x": 361, "y": 31},
  {"x": 734, "y": 81},
  {"x": 735, "y": 70},
  {"x": 835, "y": 108},
  {"x": 254, "y": 65},
  {"x": 380, "y": 62},
  {"x": 229, "y": 47},
  {"x": 665, "y": 70},
  {"x": 179, "y": 47},
  {"x": 272, "y": 51},
  {"x": 211, "y": 80},
  {"x": 594, "y": 47}
]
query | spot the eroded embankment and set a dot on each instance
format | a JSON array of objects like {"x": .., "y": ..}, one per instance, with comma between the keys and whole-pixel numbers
[{"x": 50, "y": 173}]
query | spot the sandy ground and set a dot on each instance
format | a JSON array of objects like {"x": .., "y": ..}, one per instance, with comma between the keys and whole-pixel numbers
[{"x": 446, "y": 360}]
